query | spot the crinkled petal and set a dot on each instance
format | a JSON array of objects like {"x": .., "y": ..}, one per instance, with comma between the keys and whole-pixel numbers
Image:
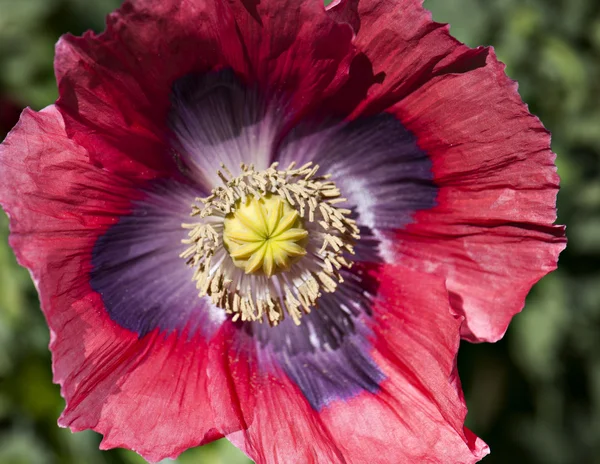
[
  {"x": 293, "y": 50},
  {"x": 405, "y": 47},
  {"x": 278, "y": 423},
  {"x": 148, "y": 394},
  {"x": 115, "y": 87},
  {"x": 416, "y": 415},
  {"x": 491, "y": 234}
]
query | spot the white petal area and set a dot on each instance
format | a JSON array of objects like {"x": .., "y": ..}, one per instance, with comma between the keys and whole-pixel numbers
[{"x": 216, "y": 120}]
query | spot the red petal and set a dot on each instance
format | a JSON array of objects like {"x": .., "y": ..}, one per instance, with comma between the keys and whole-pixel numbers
[
  {"x": 417, "y": 416},
  {"x": 293, "y": 49},
  {"x": 400, "y": 39},
  {"x": 147, "y": 394},
  {"x": 277, "y": 423},
  {"x": 114, "y": 88},
  {"x": 491, "y": 234}
]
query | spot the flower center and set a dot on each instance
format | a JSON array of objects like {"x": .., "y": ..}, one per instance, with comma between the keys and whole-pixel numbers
[
  {"x": 264, "y": 235},
  {"x": 270, "y": 242}
]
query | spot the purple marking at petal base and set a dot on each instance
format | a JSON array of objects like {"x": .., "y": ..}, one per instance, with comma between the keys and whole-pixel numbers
[
  {"x": 137, "y": 270},
  {"x": 379, "y": 168},
  {"x": 328, "y": 355}
]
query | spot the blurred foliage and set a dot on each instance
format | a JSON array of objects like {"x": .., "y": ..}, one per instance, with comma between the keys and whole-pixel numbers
[{"x": 534, "y": 396}]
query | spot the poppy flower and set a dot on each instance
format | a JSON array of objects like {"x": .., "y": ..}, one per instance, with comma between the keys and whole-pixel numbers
[{"x": 272, "y": 221}]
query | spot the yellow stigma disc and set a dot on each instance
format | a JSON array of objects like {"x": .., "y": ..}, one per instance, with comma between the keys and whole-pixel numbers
[{"x": 264, "y": 235}]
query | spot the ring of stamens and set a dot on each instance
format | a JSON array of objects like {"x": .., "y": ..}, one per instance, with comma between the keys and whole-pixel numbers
[{"x": 236, "y": 235}]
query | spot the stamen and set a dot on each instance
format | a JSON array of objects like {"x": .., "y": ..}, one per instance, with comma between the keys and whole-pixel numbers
[{"x": 270, "y": 242}]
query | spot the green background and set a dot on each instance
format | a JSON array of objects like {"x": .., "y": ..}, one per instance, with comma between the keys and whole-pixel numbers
[{"x": 534, "y": 396}]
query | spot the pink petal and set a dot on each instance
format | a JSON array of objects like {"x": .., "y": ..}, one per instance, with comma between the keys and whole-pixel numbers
[
  {"x": 492, "y": 233},
  {"x": 147, "y": 394},
  {"x": 417, "y": 416}
]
